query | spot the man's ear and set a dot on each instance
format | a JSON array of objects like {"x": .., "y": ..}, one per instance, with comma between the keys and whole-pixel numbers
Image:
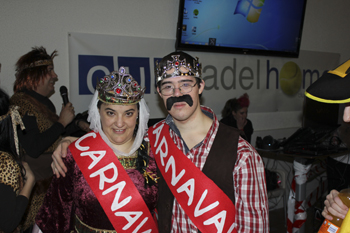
[
  {"x": 160, "y": 94},
  {"x": 201, "y": 86}
]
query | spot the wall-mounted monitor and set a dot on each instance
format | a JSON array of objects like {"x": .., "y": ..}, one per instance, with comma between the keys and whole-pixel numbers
[{"x": 257, "y": 27}]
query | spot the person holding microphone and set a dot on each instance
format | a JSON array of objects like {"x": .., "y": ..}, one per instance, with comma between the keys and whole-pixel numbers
[{"x": 34, "y": 84}]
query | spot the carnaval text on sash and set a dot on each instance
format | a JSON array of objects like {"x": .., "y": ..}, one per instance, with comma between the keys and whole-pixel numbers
[
  {"x": 111, "y": 185},
  {"x": 203, "y": 201}
]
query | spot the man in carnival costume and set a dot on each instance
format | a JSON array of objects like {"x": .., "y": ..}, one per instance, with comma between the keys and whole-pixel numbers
[
  {"x": 110, "y": 182},
  {"x": 34, "y": 84},
  {"x": 212, "y": 180}
]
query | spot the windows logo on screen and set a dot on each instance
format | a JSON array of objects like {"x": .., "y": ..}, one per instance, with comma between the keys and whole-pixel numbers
[{"x": 250, "y": 9}]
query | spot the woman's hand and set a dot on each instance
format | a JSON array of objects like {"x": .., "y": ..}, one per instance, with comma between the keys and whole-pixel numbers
[
  {"x": 29, "y": 181},
  {"x": 334, "y": 206},
  {"x": 57, "y": 165},
  {"x": 29, "y": 177}
]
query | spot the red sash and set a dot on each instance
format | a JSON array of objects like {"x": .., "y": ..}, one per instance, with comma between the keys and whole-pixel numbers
[
  {"x": 204, "y": 202},
  {"x": 111, "y": 185}
]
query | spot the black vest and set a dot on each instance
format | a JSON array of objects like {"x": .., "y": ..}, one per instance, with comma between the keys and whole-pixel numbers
[{"x": 218, "y": 167}]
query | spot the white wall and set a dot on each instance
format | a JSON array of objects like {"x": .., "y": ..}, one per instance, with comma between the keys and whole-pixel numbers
[{"x": 24, "y": 24}]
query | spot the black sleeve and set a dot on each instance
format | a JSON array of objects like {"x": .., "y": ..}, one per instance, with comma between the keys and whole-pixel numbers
[
  {"x": 34, "y": 142},
  {"x": 248, "y": 130},
  {"x": 72, "y": 129},
  {"x": 12, "y": 208},
  {"x": 226, "y": 121}
]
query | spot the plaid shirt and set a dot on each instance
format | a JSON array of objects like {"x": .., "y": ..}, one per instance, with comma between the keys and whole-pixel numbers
[{"x": 251, "y": 205}]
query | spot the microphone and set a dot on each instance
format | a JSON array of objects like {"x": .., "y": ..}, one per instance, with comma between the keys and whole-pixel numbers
[{"x": 64, "y": 94}]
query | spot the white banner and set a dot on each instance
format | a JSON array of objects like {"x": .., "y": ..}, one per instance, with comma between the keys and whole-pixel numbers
[{"x": 272, "y": 83}]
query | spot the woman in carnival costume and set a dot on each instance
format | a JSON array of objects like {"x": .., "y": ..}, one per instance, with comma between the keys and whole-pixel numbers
[
  {"x": 16, "y": 178},
  {"x": 235, "y": 114},
  {"x": 110, "y": 184}
]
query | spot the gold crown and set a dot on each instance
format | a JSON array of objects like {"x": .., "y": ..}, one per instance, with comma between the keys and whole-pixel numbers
[
  {"x": 194, "y": 69},
  {"x": 119, "y": 88}
]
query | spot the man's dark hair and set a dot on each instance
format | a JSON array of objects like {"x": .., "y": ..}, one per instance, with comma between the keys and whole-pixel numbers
[
  {"x": 168, "y": 57},
  {"x": 28, "y": 75}
]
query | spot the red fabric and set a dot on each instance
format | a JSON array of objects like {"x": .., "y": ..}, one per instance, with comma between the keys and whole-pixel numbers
[
  {"x": 202, "y": 186},
  {"x": 106, "y": 170},
  {"x": 243, "y": 101},
  {"x": 252, "y": 213},
  {"x": 71, "y": 195}
]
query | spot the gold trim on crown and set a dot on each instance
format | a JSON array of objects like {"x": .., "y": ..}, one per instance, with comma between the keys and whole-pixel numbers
[{"x": 119, "y": 88}]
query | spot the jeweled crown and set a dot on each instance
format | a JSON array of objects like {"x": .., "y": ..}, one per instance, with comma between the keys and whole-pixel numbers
[
  {"x": 190, "y": 65},
  {"x": 119, "y": 88}
]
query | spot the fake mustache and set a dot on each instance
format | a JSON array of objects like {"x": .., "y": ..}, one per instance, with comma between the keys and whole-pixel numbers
[{"x": 172, "y": 100}]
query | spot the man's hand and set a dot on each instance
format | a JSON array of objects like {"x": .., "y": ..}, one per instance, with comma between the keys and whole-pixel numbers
[
  {"x": 67, "y": 114},
  {"x": 57, "y": 165},
  {"x": 334, "y": 206}
]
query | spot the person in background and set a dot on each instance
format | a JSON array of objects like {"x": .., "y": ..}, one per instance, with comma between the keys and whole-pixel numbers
[
  {"x": 333, "y": 88},
  {"x": 118, "y": 116},
  {"x": 34, "y": 84},
  {"x": 16, "y": 178},
  {"x": 235, "y": 114},
  {"x": 227, "y": 171}
]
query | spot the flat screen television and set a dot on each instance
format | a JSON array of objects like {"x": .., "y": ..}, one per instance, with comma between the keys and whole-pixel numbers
[{"x": 257, "y": 27}]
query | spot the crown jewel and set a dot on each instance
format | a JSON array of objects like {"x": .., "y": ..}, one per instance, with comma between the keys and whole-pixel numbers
[
  {"x": 119, "y": 88},
  {"x": 188, "y": 69}
]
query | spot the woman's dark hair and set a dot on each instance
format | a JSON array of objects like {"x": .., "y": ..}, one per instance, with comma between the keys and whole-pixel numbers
[
  {"x": 4, "y": 102},
  {"x": 7, "y": 142},
  {"x": 235, "y": 105},
  {"x": 28, "y": 75},
  {"x": 229, "y": 106}
]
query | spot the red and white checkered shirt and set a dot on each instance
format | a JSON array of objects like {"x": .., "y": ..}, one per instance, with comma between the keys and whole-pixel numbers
[{"x": 252, "y": 212}]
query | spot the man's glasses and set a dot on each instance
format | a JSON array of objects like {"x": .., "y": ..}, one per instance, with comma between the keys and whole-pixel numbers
[{"x": 169, "y": 89}]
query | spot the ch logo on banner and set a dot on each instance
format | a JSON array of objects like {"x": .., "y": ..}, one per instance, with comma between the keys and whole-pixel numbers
[{"x": 92, "y": 67}]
